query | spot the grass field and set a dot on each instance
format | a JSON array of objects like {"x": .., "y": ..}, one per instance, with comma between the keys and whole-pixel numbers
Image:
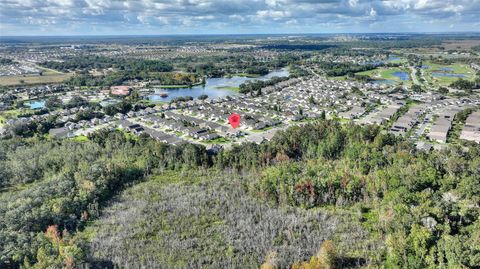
[
  {"x": 80, "y": 138},
  {"x": 48, "y": 77},
  {"x": 457, "y": 69},
  {"x": 10, "y": 114},
  {"x": 230, "y": 88},
  {"x": 384, "y": 74}
]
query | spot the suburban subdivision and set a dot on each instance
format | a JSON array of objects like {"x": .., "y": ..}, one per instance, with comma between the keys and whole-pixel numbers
[{"x": 348, "y": 151}]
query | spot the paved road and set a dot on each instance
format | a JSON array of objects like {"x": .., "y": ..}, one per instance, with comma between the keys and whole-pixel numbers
[{"x": 414, "y": 75}]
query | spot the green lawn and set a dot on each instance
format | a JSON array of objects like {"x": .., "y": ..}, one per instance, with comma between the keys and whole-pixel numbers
[
  {"x": 34, "y": 79},
  {"x": 230, "y": 88},
  {"x": 245, "y": 75},
  {"x": 388, "y": 74},
  {"x": 443, "y": 81},
  {"x": 80, "y": 138},
  {"x": 372, "y": 72},
  {"x": 220, "y": 140},
  {"x": 9, "y": 114}
]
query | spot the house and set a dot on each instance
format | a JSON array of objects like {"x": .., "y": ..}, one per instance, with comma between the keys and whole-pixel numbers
[
  {"x": 196, "y": 132},
  {"x": 208, "y": 136},
  {"x": 131, "y": 127},
  {"x": 213, "y": 149},
  {"x": 233, "y": 133},
  {"x": 63, "y": 132},
  {"x": 471, "y": 129},
  {"x": 439, "y": 130}
]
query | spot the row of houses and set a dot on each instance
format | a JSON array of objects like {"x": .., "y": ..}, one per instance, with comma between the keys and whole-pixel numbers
[
  {"x": 138, "y": 129},
  {"x": 471, "y": 129},
  {"x": 407, "y": 121},
  {"x": 382, "y": 115},
  {"x": 194, "y": 127}
]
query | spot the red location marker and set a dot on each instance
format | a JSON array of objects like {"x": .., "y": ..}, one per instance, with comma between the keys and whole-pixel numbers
[{"x": 234, "y": 120}]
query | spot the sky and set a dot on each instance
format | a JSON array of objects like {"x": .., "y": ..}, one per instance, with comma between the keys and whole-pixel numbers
[{"x": 166, "y": 17}]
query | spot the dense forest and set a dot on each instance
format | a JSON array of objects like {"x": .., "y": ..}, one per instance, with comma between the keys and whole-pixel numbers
[
  {"x": 372, "y": 199},
  {"x": 239, "y": 63},
  {"x": 86, "y": 62},
  {"x": 341, "y": 69},
  {"x": 119, "y": 77},
  {"x": 254, "y": 87}
]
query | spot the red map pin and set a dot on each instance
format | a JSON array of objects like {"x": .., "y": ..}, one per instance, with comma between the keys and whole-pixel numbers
[{"x": 234, "y": 120}]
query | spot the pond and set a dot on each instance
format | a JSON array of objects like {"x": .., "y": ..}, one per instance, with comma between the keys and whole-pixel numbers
[
  {"x": 446, "y": 69},
  {"x": 393, "y": 58},
  {"x": 214, "y": 87},
  {"x": 36, "y": 104},
  {"x": 401, "y": 75},
  {"x": 448, "y": 75}
]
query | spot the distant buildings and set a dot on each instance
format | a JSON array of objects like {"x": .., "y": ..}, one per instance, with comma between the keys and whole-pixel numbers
[{"x": 120, "y": 90}]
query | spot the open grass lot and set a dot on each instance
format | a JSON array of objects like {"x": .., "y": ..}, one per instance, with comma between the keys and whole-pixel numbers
[
  {"x": 460, "y": 44},
  {"x": 48, "y": 77}
]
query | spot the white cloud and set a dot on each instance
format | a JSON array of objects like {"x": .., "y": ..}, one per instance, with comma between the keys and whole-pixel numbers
[
  {"x": 272, "y": 14},
  {"x": 236, "y": 17},
  {"x": 352, "y": 3},
  {"x": 234, "y": 14}
]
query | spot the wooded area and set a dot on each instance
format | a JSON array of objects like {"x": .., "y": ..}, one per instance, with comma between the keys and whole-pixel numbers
[{"x": 421, "y": 209}]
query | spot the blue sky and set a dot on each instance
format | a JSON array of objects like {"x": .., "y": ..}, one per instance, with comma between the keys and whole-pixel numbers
[{"x": 157, "y": 17}]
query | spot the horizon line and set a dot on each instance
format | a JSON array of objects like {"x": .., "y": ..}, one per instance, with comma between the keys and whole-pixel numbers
[{"x": 242, "y": 34}]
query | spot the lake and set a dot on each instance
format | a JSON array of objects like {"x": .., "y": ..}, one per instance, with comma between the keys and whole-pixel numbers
[
  {"x": 393, "y": 58},
  {"x": 214, "y": 87},
  {"x": 401, "y": 75}
]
